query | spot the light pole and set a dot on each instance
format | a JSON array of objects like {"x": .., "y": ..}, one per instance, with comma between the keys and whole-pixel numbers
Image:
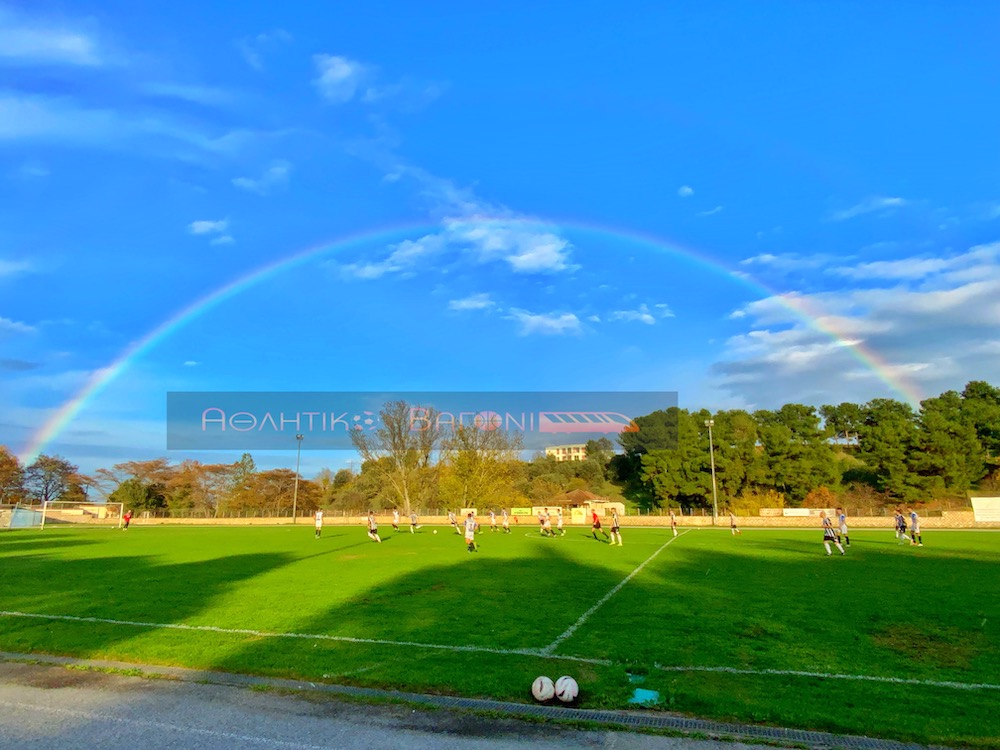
[
  {"x": 715, "y": 493},
  {"x": 295, "y": 494}
]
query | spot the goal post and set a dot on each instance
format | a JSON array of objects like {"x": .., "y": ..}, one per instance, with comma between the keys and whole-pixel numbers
[{"x": 58, "y": 512}]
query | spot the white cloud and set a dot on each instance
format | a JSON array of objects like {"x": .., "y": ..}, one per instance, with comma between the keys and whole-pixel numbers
[
  {"x": 207, "y": 226},
  {"x": 642, "y": 315},
  {"x": 224, "y": 239},
  {"x": 252, "y": 47},
  {"x": 927, "y": 328},
  {"x": 10, "y": 328},
  {"x": 594, "y": 318},
  {"x": 339, "y": 77},
  {"x": 404, "y": 257},
  {"x": 472, "y": 302},
  {"x": 35, "y": 43},
  {"x": 663, "y": 310},
  {"x": 13, "y": 267},
  {"x": 275, "y": 177},
  {"x": 546, "y": 324},
  {"x": 525, "y": 247},
  {"x": 710, "y": 212},
  {"x": 191, "y": 363},
  {"x": 685, "y": 191},
  {"x": 870, "y": 205}
]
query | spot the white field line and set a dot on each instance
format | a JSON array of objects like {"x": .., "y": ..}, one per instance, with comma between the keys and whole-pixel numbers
[
  {"x": 586, "y": 615},
  {"x": 834, "y": 676},
  {"x": 537, "y": 653},
  {"x": 103, "y": 717}
]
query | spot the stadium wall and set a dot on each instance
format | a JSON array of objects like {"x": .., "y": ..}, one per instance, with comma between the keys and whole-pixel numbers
[{"x": 948, "y": 520}]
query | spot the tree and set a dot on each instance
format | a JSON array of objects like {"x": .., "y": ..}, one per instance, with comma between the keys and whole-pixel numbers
[
  {"x": 799, "y": 458},
  {"x": 139, "y": 495},
  {"x": 948, "y": 453},
  {"x": 49, "y": 477},
  {"x": 842, "y": 421},
  {"x": 11, "y": 477},
  {"x": 399, "y": 451},
  {"x": 886, "y": 439},
  {"x": 981, "y": 406},
  {"x": 480, "y": 464}
]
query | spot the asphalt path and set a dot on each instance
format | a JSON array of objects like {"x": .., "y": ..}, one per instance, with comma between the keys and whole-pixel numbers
[{"x": 44, "y": 707}]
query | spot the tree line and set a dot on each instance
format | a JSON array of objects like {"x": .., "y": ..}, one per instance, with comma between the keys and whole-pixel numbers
[{"x": 880, "y": 452}]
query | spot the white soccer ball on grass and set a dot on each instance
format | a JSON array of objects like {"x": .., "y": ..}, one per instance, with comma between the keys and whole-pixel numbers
[
  {"x": 566, "y": 689},
  {"x": 543, "y": 689}
]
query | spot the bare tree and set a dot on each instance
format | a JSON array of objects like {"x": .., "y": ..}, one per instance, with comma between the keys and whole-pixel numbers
[{"x": 400, "y": 450}]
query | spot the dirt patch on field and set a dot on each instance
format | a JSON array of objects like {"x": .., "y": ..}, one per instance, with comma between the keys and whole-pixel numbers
[{"x": 940, "y": 646}]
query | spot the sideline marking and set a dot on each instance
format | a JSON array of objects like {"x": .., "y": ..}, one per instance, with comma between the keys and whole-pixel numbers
[
  {"x": 537, "y": 653},
  {"x": 547, "y": 651}
]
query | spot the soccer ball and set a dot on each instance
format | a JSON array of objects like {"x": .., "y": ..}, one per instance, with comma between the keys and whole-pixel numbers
[
  {"x": 543, "y": 689},
  {"x": 435, "y": 531},
  {"x": 566, "y": 689}
]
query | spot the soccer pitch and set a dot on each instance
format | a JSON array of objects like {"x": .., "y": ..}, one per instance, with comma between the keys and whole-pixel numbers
[{"x": 892, "y": 641}]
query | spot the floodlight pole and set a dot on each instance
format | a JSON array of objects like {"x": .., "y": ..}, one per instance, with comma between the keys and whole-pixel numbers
[
  {"x": 295, "y": 494},
  {"x": 715, "y": 493}
]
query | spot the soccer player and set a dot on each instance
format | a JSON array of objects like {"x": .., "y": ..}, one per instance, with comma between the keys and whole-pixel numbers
[
  {"x": 616, "y": 530},
  {"x": 319, "y": 523},
  {"x": 127, "y": 519},
  {"x": 829, "y": 535},
  {"x": 413, "y": 522},
  {"x": 493, "y": 520},
  {"x": 454, "y": 522},
  {"x": 541, "y": 522},
  {"x": 559, "y": 523},
  {"x": 373, "y": 528},
  {"x": 673, "y": 521},
  {"x": 595, "y": 525},
  {"x": 395, "y": 519},
  {"x": 506, "y": 521},
  {"x": 915, "y": 536},
  {"x": 470, "y": 533},
  {"x": 547, "y": 524},
  {"x": 842, "y": 522},
  {"x": 733, "y": 529},
  {"x": 900, "y": 526}
]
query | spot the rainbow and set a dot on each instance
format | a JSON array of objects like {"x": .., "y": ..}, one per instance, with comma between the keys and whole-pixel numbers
[{"x": 101, "y": 378}]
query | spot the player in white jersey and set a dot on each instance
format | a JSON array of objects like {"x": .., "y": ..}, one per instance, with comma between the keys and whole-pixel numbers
[
  {"x": 616, "y": 530},
  {"x": 395, "y": 519},
  {"x": 454, "y": 522},
  {"x": 673, "y": 521},
  {"x": 733, "y": 528},
  {"x": 829, "y": 535},
  {"x": 915, "y": 535},
  {"x": 470, "y": 533},
  {"x": 506, "y": 521},
  {"x": 413, "y": 522},
  {"x": 842, "y": 522},
  {"x": 559, "y": 523},
  {"x": 319, "y": 523},
  {"x": 493, "y": 520},
  {"x": 373, "y": 528},
  {"x": 547, "y": 523}
]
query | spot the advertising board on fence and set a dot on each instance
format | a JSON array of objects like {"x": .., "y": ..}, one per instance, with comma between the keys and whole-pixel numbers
[{"x": 986, "y": 509}]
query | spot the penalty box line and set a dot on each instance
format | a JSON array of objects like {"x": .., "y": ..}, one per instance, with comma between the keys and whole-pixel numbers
[
  {"x": 537, "y": 653},
  {"x": 548, "y": 650}
]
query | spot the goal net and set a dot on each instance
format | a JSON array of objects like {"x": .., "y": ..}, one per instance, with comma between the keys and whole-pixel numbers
[{"x": 24, "y": 516}]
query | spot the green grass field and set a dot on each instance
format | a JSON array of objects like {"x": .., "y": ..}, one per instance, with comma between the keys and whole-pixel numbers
[{"x": 767, "y": 600}]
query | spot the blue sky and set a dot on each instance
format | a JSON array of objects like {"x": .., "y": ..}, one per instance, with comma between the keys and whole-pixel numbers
[{"x": 841, "y": 154}]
